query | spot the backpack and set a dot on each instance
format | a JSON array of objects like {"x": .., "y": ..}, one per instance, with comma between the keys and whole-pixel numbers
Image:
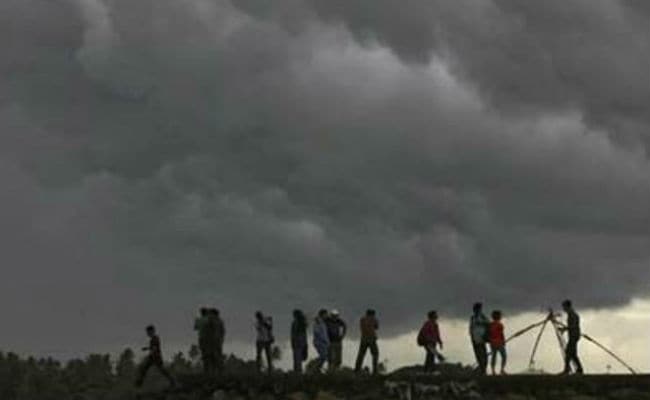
[{"x": 421, "y": 339}]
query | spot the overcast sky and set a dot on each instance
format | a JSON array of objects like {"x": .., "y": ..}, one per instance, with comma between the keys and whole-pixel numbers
[{"x": 158, "y": 155}]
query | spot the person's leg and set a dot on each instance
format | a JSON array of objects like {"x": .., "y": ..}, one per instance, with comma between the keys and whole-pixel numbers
[
  {"x": 321, "y": 356},
  {"x": 433, "y": 366},
  {"x": 477, "y": 356},
  {"x": 484, "y": 358},
  {"x": 374, "y": 351},
  {"x": 297, "y": 359},
  {"x": 493, "y": 358},
  {"x": 427, "y": 359},
  {"x": 570, "y": 350},
  {"x": 504, "y": 359},
  {"x": 142, "y": 371},
  {"x": 269, "y": 359},
  {"x": 258, "y": 357},
  {"x": 338, "y": 360},
  {"x": 161, "y": 367},
  {"x": 331, "y": 356},
  {"x": 575, "y": 358},
  {"x": 219, "y": 357},
  {"x": 363, "y": 348},
  {"x": 205, "y": 360}
]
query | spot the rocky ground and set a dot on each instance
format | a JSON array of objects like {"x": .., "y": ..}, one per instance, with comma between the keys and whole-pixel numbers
[{"x": 347, "y": 386}]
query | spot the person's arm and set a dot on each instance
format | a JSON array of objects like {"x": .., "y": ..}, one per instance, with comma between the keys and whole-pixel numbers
[
  {"x": 438, "y": 337},
  {"x": 345, "y": 329}
]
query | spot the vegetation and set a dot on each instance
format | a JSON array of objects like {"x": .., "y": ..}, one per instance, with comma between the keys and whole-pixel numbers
[{"x": 95, "y": 377}]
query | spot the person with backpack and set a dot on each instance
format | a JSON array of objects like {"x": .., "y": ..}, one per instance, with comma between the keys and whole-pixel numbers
[
  {"x": 299, "y": 340},
  {"x": 429, "y": 338},
  {"x": 264, "y": 341},
  {"x": 368, "y": 326},
  {"x": 478, "y": 332},
  {"x": 336, "y": 330},
  {"x": 497, "y": 342},
  {"x": 321, "y": 339}
]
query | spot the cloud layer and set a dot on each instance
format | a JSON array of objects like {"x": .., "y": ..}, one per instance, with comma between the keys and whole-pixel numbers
[{"x": 161, "y": 154}]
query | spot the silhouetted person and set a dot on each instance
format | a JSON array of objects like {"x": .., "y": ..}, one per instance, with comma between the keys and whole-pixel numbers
[
  {"x": 478, "y": 332},
  {"x": 153, "y": 359},
  {"x": 265, "y": 339},
  {"x": 429, "y": 338},
  {"x": 573, "y": 329},
  {"x": 206, "y": 328},
  {"x": 299, "y": 340},
  {"x": 321, "y": 339},
  {"x": 369, "y": 326},
  {"x": 219, "y": 338},
  {"x": 336, "y": 330},
  {"x": 497, "y": 342}
]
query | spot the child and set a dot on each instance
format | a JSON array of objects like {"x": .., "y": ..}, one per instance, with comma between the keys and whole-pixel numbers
[
  {"x": 497, "y": 341},
  {"x": 429, "y": 338}
]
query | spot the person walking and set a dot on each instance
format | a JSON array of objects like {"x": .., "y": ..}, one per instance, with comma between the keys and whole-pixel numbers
[
  {"x": 336, "y": 331},
  {"x": 264, "y": 341},
  {"x": 429, "y": 338},
  {"x": 368, "y": 326},
  {"x": 497, "y": 342},
  {"x": 299, "y": 340},
  {"x": 573, "y": 330},
  {"x": 321, "y": 339},
  {"x": 153, "y": 359},
  {"x": 478, "y": 332}
]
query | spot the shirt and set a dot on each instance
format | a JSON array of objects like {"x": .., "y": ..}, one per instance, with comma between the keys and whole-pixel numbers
[
  {"x": 154, "y": 347},
  {"x": 573, "y": 324},
  {"x": 497, "y": 337},
  {"x": 478, "y": 325},
  {"x": 431, "y": 332},
  {"x": 369, "y": 326},
  {"x": 321, "y": 337},
  {"x": 336, "y": 329},
  {"x": 264, "y": 330}
]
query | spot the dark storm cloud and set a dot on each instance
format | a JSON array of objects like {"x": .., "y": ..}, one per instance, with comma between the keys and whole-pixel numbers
[{"x": 163, "y": 154}]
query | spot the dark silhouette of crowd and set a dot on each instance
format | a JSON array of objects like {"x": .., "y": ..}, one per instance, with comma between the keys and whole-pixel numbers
[{"x": 487, "y": 338}]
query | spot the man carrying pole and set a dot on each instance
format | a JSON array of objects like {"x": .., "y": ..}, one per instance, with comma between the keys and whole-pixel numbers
[{"x": 573, "y": 329}]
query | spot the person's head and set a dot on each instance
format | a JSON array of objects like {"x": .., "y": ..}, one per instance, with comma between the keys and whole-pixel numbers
[
  {"x": 567, "y": 305},
  {"x": 322, "y": 313},
  {"x": 259, "y": 315},
  {"x": 478, "y": 308},
  {"x": 215, "y": 312},
  {"x": 297, "y": 314},
  {"x": 496, "y": 315},
  {"x": 334, "y": 314},
  {"x": 433, "y": 315},
  {"x": 203, "y": 311},
  {"x": 151, "y": 330},
  {"x": 370, "y": 312}
]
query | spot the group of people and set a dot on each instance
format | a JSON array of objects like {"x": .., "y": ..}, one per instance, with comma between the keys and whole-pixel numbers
[
  {"x": 328, "y": 332},
  {"x": 485, "y": 333},
  {"x": 211, "y": 334},
  {"x": 329, "y": 329}
]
